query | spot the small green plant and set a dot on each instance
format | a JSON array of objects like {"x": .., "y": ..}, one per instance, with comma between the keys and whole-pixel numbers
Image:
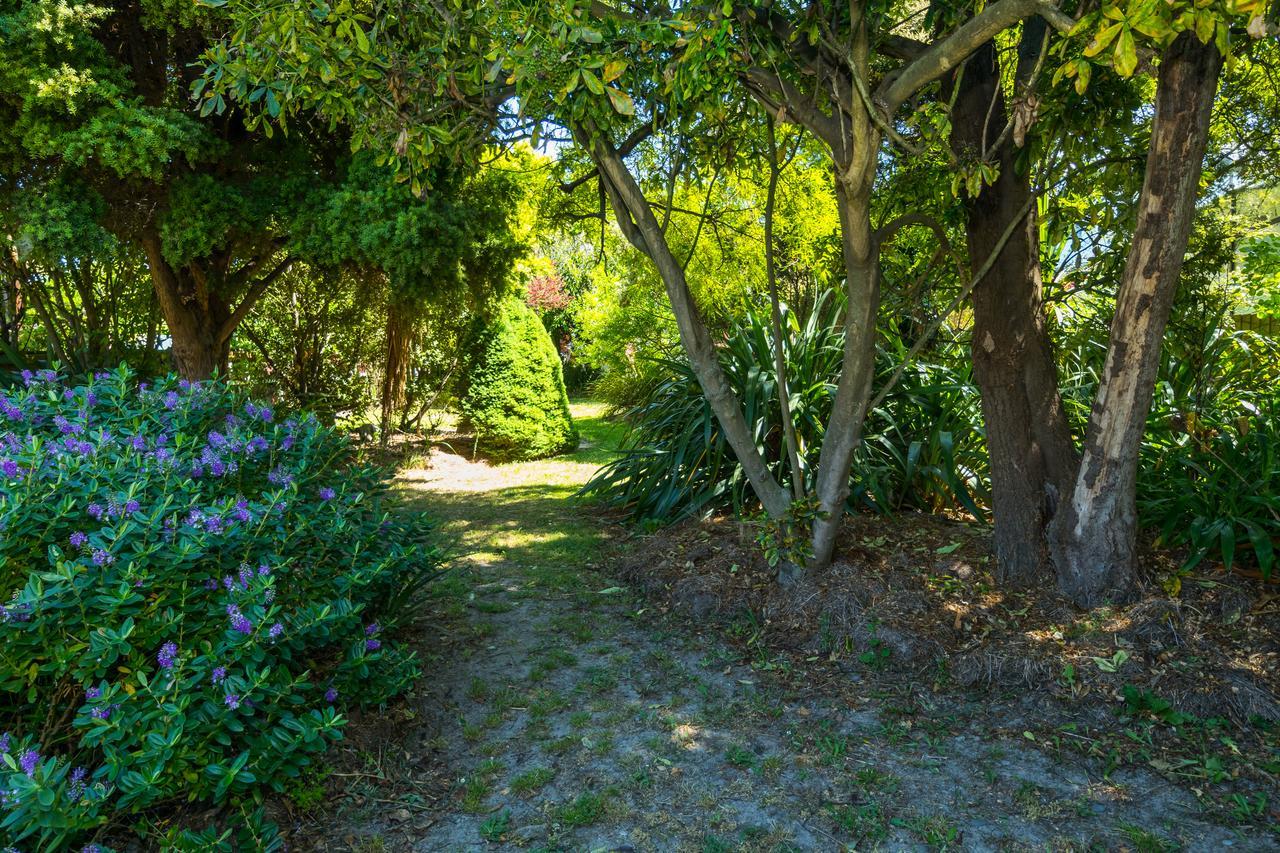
[
  {"x": 866, "y": 822},
  {"x": 493, "y": 828},
  {"x": 876, "y": 655},
  {"x": 740, "y": 757},
  {"x": 532, "y": 780},
  {"x": 583, "y": 810}
]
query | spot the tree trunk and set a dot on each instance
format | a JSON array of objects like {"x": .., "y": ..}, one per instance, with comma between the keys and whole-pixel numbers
[
  {"x": 1028, "y": 439},
  {"x": 1092, "y": 536},
  {"x": 195, "y": 316},
  {"x": 641, "y": 228}
]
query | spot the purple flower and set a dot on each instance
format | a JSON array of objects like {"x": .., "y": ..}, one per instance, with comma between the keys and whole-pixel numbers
[
  {"x": 171, "y": 400},
  {"x": 242, "y": 511},
  {"x": 28, "y": 377},
  {"x": 28, "y": 761},
  {"x": 326, "y": 493},
  {"x": 4, "y": 742},
  {"x": 96, "y": 511},
  {"x": 132, "y": 507},
  {"x": 219, "y": 674},
  {"x": 372, "y": 644},
  {"x": 184, "y": 384},
  {"x": 371, "y": 629},
  {"x": 331, "y": 695},
  {"x": 233, "y": 701},
  {"x": 263, "y": 570},
  {"x": 276, "y": 630},
  {"x": 138, "y": 443},
  {"x": 78, "y": 539},
  {"x": 93, "y": 693},
  {"x": 102, "y": 712},
  {"x": 75, "y": 790},
  {"x": 168, "y": 655},
  {"x": 102, "y": 557},
  {"x": 10, "y": 468},
  {"x": 279, "y": 477}
]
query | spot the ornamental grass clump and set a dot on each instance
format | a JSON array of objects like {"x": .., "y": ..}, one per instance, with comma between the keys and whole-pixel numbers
[{"x": 193, "y": 588}]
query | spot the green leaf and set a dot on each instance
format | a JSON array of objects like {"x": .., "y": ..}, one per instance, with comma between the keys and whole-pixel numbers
[
  {"x": 593, "y": 82},
  {"x": 1125, "y": 58},
  {"x": 621, "y": 101}
]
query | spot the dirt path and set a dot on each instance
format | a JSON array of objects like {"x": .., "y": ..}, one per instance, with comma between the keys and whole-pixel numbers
[{"x": 560, "y": 714}]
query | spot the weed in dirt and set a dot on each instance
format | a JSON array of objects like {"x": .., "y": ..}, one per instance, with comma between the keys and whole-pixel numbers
[
  {"x": 833, "y": 748},
  {"x": 478, "y": 690},
  {"x": 583, "y": 810},
  {"x": 711, "y": 844},
  {"x": 873, "y": 780},
  {"x": 1145, "y": 841},
  {"x": 472, "y": 732},
  {"x": 771, "y": 767},
  {"x": 866, "y": 822},
  {"x": 490, "y": 767},
  {"x": 560, "y": 746},
  {"x": 935, "y": 831},
  {"x": 308, "y": 792},
  {"x": 474, "y": 793},
  {"x": 531, "y": 781},
  {"x": 740, "y": 757},
  {"x": 496, "y": 826},
  {"x": 371, "y": 844},
  {"x": 579, "y": 719}
]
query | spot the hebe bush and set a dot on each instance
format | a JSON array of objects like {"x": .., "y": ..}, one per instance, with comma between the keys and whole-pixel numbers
[
  {"x": 197, "y": 590},
  {"x": 515, "y": 399}
]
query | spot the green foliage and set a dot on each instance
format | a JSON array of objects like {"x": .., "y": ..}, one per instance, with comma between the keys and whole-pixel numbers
[
  {"x": 515, "y": 398},
  {"x": 677, "y": 462},
  {"x": 197, "y": 592}
]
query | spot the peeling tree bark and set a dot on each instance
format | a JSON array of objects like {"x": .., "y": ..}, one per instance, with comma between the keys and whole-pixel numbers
[
  {"x": 1029, "y": 442},
  {"x": 1093, "y": 534}
]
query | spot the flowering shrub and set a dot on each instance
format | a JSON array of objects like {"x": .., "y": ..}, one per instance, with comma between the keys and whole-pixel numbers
[{"x": 197, "y": 588}]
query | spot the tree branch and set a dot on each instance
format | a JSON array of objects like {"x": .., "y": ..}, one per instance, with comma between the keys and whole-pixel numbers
[{"x": 255, "y": 293}]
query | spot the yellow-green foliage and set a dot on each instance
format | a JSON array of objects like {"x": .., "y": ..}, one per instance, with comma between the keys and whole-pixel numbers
[{"x": 515, "y": 400}]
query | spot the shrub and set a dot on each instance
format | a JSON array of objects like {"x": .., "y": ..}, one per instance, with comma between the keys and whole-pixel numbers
[
  {"x": 922, "y": 446},
  {"x": 198, "y": 591},
  {"x": 515, "y": 399}
]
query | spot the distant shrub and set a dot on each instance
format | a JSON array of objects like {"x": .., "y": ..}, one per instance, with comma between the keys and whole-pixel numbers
[
  {"x": 515, "y": 398},
  {"x": 198, "y": 591}
]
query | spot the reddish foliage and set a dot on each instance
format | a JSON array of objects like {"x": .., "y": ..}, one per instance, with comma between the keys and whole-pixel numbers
[{"x": 547, "y": 293}]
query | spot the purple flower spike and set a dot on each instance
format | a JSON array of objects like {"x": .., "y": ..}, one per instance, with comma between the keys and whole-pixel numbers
[
  {"x": 93, "y": 693},
  {"x": 275, "y": 632},
  {"x": 102, "y": 558},
  {"x": 326, "y": 493},
  {"x": 233, "y": 701},
  {"x": 78, "y": 539},
  {"x": 168, "y": 655},
  {"x": 331, "y": 695},
  {"x": 219, "y": 674},
  {"x": 372, "y": 644},
  {"x": 28, "y": 761}
]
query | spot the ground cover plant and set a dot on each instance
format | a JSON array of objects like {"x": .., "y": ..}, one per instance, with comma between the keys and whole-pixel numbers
[{"x": 196, "y": 589}]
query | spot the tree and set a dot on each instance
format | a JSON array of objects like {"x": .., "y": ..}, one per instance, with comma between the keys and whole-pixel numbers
[{"x": 613, "y": 76}]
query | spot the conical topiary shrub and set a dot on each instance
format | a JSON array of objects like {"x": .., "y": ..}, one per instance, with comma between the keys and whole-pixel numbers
[{"x": 515, "y": 399}]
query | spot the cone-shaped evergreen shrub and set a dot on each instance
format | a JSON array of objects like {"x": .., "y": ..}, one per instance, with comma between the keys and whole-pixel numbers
[{"x": 515, "y": 399}]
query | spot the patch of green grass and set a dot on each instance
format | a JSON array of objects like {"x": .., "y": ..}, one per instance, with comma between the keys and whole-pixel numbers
[
  {"x": 478, "y": 690},
  {"x": 486, "y": 606},
  {"x": 579, "y": 719},
  {"x": 935, "y": 831},
  {"x": 1145, "y": 841},
  {"x": 474, "y": 794},
  {"x": 490, "y": 767},
  {"x": 873, "y": 780},
  {"x": 866, "y": 822},
  {"x": 531, "y": 781},
  {"x": 583, "y": 810}
]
